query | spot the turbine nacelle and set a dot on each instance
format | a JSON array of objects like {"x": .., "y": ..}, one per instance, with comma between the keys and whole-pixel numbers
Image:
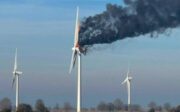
[
  {"x": 17, "y": 72},
  {"x": 127, "y": 79},
  {"x": 76, "y": 49},
  {"x": 130, "y": 78}
]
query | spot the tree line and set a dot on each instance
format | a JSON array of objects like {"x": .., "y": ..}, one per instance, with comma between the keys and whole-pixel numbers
[{"x": 115, "y": 106}]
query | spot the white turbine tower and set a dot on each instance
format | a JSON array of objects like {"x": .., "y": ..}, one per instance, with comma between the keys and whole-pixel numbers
[
  {"x": 128, "y": 82},
  {"x": 16, "y": 74},
  {"x": 76, "y": 53}
]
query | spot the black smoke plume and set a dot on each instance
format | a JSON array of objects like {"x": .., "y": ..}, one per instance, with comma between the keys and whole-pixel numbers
[{"x": 136, "y": 17}]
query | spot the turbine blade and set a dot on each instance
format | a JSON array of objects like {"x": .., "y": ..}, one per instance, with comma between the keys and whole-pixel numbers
[
  {"x": 128, "y": 72},
  {"x": 130, "y": 78},
  {"x": 76, "y": 39},
  {"x": 125, "y": 81},
  {"x": 15, "y": 61},
  {"x": 75, "y": 56},
  {"x": 13, "y": 81},
  {"x": 73, "y": 59},
  {"x": 76, "y": 34}
]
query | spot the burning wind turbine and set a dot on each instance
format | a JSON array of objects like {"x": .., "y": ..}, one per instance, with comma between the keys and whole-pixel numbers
[{"x": 76, "y": 53}]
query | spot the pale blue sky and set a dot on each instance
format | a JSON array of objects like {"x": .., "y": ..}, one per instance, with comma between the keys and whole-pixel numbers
[{"x": 43, "y": 30}]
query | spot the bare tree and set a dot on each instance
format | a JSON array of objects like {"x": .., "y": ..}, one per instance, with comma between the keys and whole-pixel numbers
[
  {"x": 24, "y": 108},
  {"x": 118, "y": 104},
  {"x": 56, "y": 108},
  {"x": 40, "y": 106},
  {"x": 177, "y": 109},
  {"x": 152, "y": 105},
  {"x": 5, "y": 105},
  {"x": 102, "y": 106},
  {"x": 136, "y": 108},
  {"x": 110, "y": 107},
  {"x": 67, "y": 107},
  {"x": 151, "y": 110},
  {"x": 167, "y": 106}
]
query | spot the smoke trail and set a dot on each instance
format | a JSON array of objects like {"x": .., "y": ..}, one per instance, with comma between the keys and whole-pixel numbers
[{"x": 137, "y": 17}]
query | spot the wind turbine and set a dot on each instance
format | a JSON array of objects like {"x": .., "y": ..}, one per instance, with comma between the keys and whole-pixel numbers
[
  {"x": 76, "y": 53},
  {"x": 16, "y": 74},
  {"x": 128, "y": 82}
]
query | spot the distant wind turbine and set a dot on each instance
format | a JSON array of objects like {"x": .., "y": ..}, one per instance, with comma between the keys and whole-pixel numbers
[
  {"x": 77, "y": 53},
  {"x": 128, "y": 82},
  {"x": 16, "y": 74}
]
